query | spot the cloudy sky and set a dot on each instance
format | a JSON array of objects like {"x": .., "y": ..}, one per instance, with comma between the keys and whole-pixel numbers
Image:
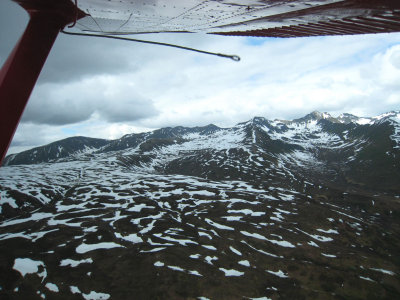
[{"x": 107, "y": 88}]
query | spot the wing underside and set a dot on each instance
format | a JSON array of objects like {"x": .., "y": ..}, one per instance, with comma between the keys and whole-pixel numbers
[{"x": 273, "y": 18}]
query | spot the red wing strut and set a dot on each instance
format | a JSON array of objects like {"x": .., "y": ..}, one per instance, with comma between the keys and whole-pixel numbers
[{"x": 22, "y": 68}]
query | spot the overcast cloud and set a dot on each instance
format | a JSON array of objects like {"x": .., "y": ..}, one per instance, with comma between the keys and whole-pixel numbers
[{"x": 107, "y": 88}]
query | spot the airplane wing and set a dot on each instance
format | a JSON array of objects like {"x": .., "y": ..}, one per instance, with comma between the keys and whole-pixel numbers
[{"x": 268, "y": 18}]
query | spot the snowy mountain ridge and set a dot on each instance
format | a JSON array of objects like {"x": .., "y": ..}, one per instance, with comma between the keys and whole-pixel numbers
[{"x": 297, "y": 130}]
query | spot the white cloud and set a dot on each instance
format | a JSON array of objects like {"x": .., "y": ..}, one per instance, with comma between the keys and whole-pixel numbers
[{"x": 111, "y": 97}]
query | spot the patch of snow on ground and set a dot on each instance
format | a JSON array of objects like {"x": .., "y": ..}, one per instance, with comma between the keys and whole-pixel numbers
[
  {"x": 328, "y": 231},
  {"x": 364, "y": 121},
  {"x": 383, "y": 271},
  {"x": 282, "y": 243},
  {"x": 261, "y": 251},
  {"x": 245, "y": 263},
  {"x": 302, "y": 157},
  {"x": 29, "y": 266},
  {"x": 95, "y": 296},
  {"x": 278, "y": 217},
  {"x": 217, "y": 225},
  {"x": 367, "y": 278},
  {"x": 209, "y": 259},
  {"x": 317, "y": 237},
  {"x": 286, "y": 197},
  {"x": 171, "y": 239},
  {"x": 74, "y": 263},
  {"x": 176, "y": 268},
  {"x": 34, "y": 236},
  {"x": 254, "y": 235},
  {"x": 159, "y": 264},
  {"x": 52, "y": 287},
  {"x": 395, "y": 121},
  {"x": 209, "y": 247},
  {"x": 205, "y": 234},
  {"x": 246, "y": 212},
  {"x": 139, "y": 207},
  {"x": 74, "y": 289},
  {"x": 83, "y": 248},
  {"x": 231, "y": 272},
  {"x": 328, "y": 255},
  {"x": 4, "y": 200},
  {"x": 34, "y": 217},
  {"x": 130, "y": 238},
  {"x": 194, "y": 272},
  {"x": 232, "y": 218},
  {"x": 152, "y": 250},
  {"x": 311, "y": 243},
  {"x": 235, "y": 251},
  {"x": 279, "y": 274}
]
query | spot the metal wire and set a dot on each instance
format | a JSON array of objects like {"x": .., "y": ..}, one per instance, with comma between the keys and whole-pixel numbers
[{"x": 233, "y": 57}]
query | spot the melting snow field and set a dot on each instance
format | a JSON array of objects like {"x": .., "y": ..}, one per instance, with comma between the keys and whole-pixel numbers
[{"x": 96, "y": 230}]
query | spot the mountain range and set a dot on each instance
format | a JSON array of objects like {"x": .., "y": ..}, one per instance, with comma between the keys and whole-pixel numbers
[
  {"x": 299, "y": 209},
  {"x": 343, "y": 149}
]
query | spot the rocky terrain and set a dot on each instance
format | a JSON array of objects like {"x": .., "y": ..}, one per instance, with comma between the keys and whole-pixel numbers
[{"x": 301, "y": 209}]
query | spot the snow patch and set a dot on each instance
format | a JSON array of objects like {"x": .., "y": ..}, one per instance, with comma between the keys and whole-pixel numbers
[
  {"x": 52, "y": 287},
  {"x": 73, "y": 263},
  {"x": 96, "y": 296},
  {"x": 29, "y": 266},
  {"x": 235, "y": 251},
  {"x": 159, "y": 264},
  {"x": 133, "y": 238},
  {"x": 231, "y": 272},
  {"x": 245, "y": 263},
  {"x": 83, "y": 248},
  {"x": 279, "y": 274}
]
